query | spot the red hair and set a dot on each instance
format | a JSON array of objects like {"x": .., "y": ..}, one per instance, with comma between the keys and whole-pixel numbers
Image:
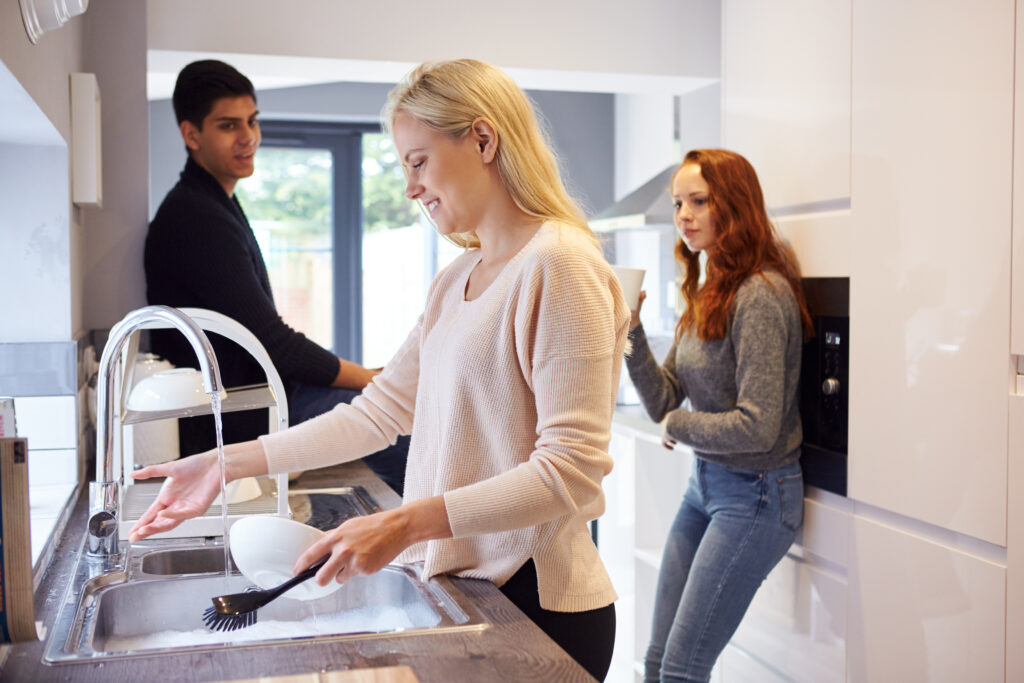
[{"x": 745, "y": 244}]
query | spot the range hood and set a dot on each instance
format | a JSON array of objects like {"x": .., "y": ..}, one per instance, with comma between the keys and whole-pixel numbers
[{"x": 647, "y": 206}]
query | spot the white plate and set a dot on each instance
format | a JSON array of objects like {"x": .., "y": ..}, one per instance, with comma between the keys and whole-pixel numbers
[{"x": 265, "y": 548}]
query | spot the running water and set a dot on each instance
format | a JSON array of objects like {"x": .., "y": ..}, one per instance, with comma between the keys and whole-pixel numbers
[{"x": 215, "y": 404}]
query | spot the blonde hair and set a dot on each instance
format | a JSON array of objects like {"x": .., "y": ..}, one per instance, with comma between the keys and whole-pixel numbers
[{"x": 448, "y": 96}]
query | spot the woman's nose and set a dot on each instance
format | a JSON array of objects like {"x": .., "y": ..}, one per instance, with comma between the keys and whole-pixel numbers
[{"x": 412, "y": 190}]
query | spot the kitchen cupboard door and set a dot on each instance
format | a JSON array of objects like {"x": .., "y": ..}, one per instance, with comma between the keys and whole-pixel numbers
[
  {"x": 930, "y": 262},
  {"x": 796, "y": 624},
  {"x": 1017, "y": 298},
  {"x": 1015, "y": 544},
  {"x": 737, "y": 666},
  {"x": 615, "y": 530},
  {"x": 786, "y": 96},
  {"x": 922, "y": 611},
  {"x": 661, "y": 477}
]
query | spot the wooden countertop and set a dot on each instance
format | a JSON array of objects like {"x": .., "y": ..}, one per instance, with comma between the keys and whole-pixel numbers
[{"x": 511, "y": 649}]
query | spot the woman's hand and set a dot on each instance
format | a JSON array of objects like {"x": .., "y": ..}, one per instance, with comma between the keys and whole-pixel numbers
[
  {"x": 634, "y": 315},
  {"x": 364, "y": 545},
  {"x": 192, "y": 484}
]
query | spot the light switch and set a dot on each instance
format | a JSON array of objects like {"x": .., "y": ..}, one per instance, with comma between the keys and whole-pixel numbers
[{"x": 86, "y": 141}]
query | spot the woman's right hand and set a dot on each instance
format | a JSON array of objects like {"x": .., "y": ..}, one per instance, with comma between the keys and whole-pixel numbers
[
  {"x": 192, "y": 484},
  {"x": 634, "y": 316}
]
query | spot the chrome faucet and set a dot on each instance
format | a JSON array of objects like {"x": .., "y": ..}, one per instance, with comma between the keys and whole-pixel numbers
[{"x": 104, "y": 492}]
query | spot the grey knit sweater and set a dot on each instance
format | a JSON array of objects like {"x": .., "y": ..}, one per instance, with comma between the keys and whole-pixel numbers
[{"x": 734, "y": 400}]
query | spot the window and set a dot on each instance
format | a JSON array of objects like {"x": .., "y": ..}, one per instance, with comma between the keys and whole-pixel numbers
[{"x": 350, "y": 258}]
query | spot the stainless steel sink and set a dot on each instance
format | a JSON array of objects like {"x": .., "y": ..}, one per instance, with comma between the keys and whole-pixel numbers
[
  {"x": 156, "y": 606},
  {"x": 203, "y": 560}
]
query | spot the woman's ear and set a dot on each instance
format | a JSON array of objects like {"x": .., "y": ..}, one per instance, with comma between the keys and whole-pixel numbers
[{"x": 486, "y": 139}]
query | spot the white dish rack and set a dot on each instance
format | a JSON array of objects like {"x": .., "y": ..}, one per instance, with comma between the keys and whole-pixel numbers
[{"x": 136, "y": 497}]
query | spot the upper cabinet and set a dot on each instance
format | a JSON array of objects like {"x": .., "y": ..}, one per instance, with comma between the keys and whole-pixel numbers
[
  {"x": 786, "y": 96},
  {"x": 786, "y": 107},
  {"x": 930, "y": 260},
  {"x": 883, "y": 136}
]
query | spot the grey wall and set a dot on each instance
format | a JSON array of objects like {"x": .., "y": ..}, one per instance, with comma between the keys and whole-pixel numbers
[{"x": 580, "y": 125}]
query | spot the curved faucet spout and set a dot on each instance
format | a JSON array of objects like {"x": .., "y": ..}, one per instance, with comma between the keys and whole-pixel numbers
[{"x": 104, "y": 492}]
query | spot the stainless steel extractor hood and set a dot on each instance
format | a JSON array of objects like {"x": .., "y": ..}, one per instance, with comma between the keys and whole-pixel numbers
[{"x": 647, "y": 206}]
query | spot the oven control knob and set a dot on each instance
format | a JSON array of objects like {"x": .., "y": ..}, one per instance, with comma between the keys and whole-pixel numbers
[{"x": 830, "y": 387}]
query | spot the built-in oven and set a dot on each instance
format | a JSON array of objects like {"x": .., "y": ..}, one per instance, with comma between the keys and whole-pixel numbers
[{"x": 825, "y": 383}]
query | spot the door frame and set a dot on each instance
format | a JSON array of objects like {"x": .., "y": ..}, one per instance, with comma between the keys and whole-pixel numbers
[{"x": 345, "y": 142}]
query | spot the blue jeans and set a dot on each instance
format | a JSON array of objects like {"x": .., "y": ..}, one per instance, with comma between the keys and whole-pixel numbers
[
  {"x": 733, "y": 526},
  {"x": 306, "y": 401}
]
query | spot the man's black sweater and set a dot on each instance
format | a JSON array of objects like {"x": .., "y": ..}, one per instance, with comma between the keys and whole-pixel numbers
[{"x": 201, "y": 252}]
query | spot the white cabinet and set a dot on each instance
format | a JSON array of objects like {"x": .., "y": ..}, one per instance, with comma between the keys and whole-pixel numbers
[
  {"x": 796, "y": 624},
  {"x": 786, "y": 107},
  {"x": 929, "y": 288},
  {"x": 786, "y": 96},
  {"x": 615, "y": 543},
  {"x": 922, "y": 611},
  {"x": 795, "y": 629},
  {"x": 642, "y": 495},
  {"x": 1015, "y": 544},
  {"x": 1017, "y": 296}
]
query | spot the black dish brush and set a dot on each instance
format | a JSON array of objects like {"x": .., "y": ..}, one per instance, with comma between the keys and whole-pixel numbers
[{"x": 238, "y": 610}]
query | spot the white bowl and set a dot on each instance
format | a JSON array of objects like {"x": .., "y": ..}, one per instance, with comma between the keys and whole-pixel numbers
[
  {"x": 174, "y": 389},
  {"x": 265, "y": 548}
]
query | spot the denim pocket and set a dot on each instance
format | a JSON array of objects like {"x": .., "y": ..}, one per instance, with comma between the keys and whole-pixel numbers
[{"x": 791, "y": 500}]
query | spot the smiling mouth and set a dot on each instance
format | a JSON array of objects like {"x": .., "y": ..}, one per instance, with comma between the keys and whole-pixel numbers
[{"x": 432, "y": 205}]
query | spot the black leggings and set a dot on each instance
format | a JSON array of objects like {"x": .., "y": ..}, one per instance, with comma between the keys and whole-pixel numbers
[{"x": 588, "y": 637}]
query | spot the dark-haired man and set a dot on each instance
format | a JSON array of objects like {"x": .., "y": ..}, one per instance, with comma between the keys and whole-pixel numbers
[{"x": 201, "y": 252}]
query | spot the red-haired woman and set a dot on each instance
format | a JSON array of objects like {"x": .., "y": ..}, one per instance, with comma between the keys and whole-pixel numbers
[{"x": 727, "y": 389}]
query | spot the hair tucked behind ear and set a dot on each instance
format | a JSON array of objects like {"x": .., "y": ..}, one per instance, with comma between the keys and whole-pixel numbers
[
  {"x": 745, "y": 244},
  {"x": 449, "y": 95}
]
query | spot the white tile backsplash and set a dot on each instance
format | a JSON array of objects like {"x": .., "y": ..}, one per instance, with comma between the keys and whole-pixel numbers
[
  {"x": 52, "y": 467},
  {"x": 48, "y": 422}
]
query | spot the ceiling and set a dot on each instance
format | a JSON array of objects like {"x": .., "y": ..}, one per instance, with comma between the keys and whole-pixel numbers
[{"x": 272, "y": 71}]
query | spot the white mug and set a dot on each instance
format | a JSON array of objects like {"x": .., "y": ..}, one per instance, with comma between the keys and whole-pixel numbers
[{"x": 630, "y": 279}]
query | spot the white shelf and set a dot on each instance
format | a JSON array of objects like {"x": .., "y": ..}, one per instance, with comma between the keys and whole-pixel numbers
[{"x": 240, "y": 398}]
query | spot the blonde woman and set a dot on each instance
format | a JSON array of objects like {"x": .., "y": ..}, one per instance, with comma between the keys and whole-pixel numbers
[{"x": 507, "y": 383}]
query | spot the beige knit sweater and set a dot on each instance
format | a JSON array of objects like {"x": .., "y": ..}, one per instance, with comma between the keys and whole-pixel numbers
[{"x": 509, "y": 400}]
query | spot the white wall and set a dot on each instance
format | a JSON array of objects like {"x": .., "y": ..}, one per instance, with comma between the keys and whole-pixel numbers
[
  {"x": 102, "y": 246},
  {"x": 47, "y": 216},
  {"x": 34, "y": 241},
  {"x": 639, "y": 37},
  {"x": 114, "y": 48}
]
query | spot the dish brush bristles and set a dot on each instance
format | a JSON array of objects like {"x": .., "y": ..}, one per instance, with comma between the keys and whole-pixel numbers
[{"x": 216, "y": 621}]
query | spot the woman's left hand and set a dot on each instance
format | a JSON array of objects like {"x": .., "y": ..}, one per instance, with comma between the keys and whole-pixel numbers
[
  {"x": 364, "y": 545},
  {"x": 634, "y": 315}
]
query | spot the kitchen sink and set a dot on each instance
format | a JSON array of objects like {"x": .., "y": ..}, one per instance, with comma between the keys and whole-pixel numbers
[
  {"x": 156, "y": 607},
  {"x": 154, "y": 604},
  {"x": 203, "y": 560}
]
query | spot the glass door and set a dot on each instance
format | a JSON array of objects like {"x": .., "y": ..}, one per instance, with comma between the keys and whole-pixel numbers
[
  {"x": 289, "y": 203},
  {"x": 401, "y": 253}
]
